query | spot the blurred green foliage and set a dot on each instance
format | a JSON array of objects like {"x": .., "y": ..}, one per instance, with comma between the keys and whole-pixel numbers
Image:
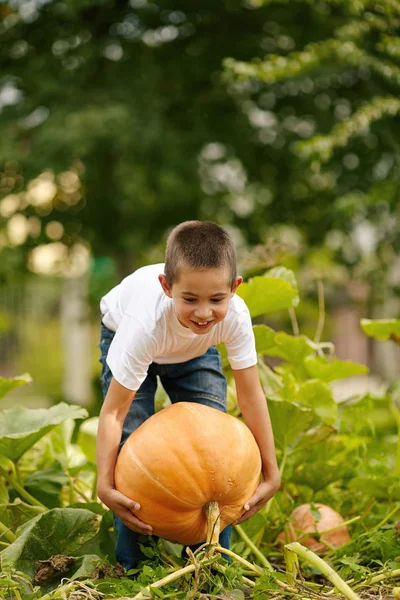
[{"x": 139, "y": 101}]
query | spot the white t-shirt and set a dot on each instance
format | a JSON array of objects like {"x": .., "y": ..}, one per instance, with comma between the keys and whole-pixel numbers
[{"x": 147, "y": 329}]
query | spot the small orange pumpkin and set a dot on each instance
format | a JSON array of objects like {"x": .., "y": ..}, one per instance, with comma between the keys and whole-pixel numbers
[
  {"x": 186, "y": 466},
  {"x": 302, "y": 522}
]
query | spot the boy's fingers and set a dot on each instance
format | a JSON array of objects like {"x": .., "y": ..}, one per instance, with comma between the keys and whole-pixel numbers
[{"x": 136, "y": 524}]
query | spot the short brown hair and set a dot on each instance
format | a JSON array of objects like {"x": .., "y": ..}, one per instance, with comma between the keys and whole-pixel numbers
[{"x": 199, "y": 245}]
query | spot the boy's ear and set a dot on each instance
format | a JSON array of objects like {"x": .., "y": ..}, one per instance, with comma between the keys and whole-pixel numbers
[
  {"x": 235, "y": 286},
  {"x": 164, "y": 284}
]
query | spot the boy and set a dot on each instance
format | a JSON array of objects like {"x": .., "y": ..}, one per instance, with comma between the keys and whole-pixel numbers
[{"x": 165, "y": 320}]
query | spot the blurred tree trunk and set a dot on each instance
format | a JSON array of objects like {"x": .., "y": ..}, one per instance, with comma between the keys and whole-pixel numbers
[{"x": 75, "y": 326}]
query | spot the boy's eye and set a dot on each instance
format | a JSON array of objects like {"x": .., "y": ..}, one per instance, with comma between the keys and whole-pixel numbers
[
  {"x": 216, "y": 300},
  {"x": 190, "y": 299}
]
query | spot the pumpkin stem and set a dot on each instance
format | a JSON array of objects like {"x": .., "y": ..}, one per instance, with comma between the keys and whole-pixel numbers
[{"x": 213, "y": 522}]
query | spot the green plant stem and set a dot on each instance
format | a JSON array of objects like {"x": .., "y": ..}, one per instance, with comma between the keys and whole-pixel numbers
[
  {"x": 61, "y": 591},
  {"x": 257, "y": 541},
  {"x": 169, "y": 578},
  {"x": 71, "y": 496},
  {"x": 325, "y": 569},
  {"x": 263, "y": 560},
  {"x": 340, "y": 525},
  {"x": 249, "y": 582},
  {"x": 240, "y": 559},
  {"x": 283, "y": 462},
  {"x": 8, "y": 534},
  {"x": 17, "y": 594},
  {"x": 79, "y": 492},
  {"x": 321, "y": 318},
  {"x": 17, "y": 473},
  {"x": 388, "y": 517},
  {"x": 21, "y": 490},
  {"x": 388, "y": 575},
  {"x": 254, "y": 568},
  {"x": 293, "y": 320}
]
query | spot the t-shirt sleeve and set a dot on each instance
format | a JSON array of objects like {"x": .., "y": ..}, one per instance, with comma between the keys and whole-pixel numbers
[
  {"x": 240, "y": 346},
  {"x": 131, "y": 353}
]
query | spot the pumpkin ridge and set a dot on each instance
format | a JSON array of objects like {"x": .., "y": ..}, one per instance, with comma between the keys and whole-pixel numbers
[{"x": 158, "y": 483}]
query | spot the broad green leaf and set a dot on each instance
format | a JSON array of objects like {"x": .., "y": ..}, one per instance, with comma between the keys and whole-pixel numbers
[
  {"x": 224, "y": 354},
  {"x": 16, "y": 514},
  {"x": 172, "y": 548},
  {"x": 264, "y": 337},
  {"x": 57, "y": 531},
  {"x": 382, "y": 329},
  {"x": 282, "y": 345},
  {"x": 289, "y": 422},
  {"x": 316, "y": 435},
  {"x": 85, "y": 567},
  {"x": 46, "y": 485},
  {"x": 292, "y": 348},
  {"x": 367, "y": 415},
  {"x": 7, "y": 583},
  {"x": 287, "y": 275},
  {"x": 3, "y": 492},
  {"x": 267, "y": 294},
  {"x": 87, "y": 438},
  {"x": 318, "y": 396},
  {"x": 7, "y": 385},
  {"x": 331, "y": 460},
  {"x": 255, "y": 525},
  {"x": 271, "y": 383},
  {"x": 61, "y": 438},
  {"x": 321, "y": 368},
  {"x": 68, "y": 454},
  {"x": 21, "y": 427},
  {"x": 233, "y": 595},
  {"x": 377, "y": 486}
]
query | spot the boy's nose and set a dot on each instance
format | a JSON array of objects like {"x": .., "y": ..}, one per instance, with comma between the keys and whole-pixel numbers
[{"x": 203, "y": 313}]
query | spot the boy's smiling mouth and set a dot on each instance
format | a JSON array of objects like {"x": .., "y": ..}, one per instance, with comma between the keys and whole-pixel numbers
[{"x": 201, "y": 324}]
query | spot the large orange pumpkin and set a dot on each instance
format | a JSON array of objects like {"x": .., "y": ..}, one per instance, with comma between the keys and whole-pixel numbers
[{"x": 187, "y": 465}]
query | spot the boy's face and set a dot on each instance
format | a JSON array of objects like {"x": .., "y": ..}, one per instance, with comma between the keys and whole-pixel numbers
[{"x": 201, "y": 297}]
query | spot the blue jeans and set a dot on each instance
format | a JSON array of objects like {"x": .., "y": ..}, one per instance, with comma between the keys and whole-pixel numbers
[{"x": 198, "y": 380}]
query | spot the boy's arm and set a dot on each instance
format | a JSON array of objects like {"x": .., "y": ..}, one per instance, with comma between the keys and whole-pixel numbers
[
  {"x": 112, "y": 415},
  {"x": 252, "y": 403}
]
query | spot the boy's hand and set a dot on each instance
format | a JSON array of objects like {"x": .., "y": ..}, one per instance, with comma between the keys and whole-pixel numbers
[
  {"x": 263, "y": 493},
  {"x": 124, "y": 508}
]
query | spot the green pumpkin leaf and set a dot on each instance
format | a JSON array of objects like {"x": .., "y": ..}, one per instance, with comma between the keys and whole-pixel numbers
[
  {"x": 57, "y": 531},
  {"x": 316, "y": 435},
  {"x": 21, "y": 428},
  {"x": 318, "y": 395},
  {"x": 264, "y": 294},
  {"x": 287, "y": 275},
  {"x": 16, "y": 514},
  {"x": 332, "y": 459},
  {"x": 3, "y": 492},
  {"x": 282, "y": 345},
  {"x": 290, "y": 421},
  {"x": 381, "y": 487},
  {"x": 271, "y": 383},
  {"x": 46, "y": 485},
  {"x": 382, "y": 329},
  {"x": 87, "y": 438},
  {"x": 7, "y": 385},
  {"x": 294, "y": 349},
  {"x": 265, "y": 338},
  {"x": 85, "y": 567},
  {"x": 320, "y": 368}
]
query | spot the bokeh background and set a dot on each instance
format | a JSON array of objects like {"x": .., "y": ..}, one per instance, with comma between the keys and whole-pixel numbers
[{"x": 120, "y": 119}]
